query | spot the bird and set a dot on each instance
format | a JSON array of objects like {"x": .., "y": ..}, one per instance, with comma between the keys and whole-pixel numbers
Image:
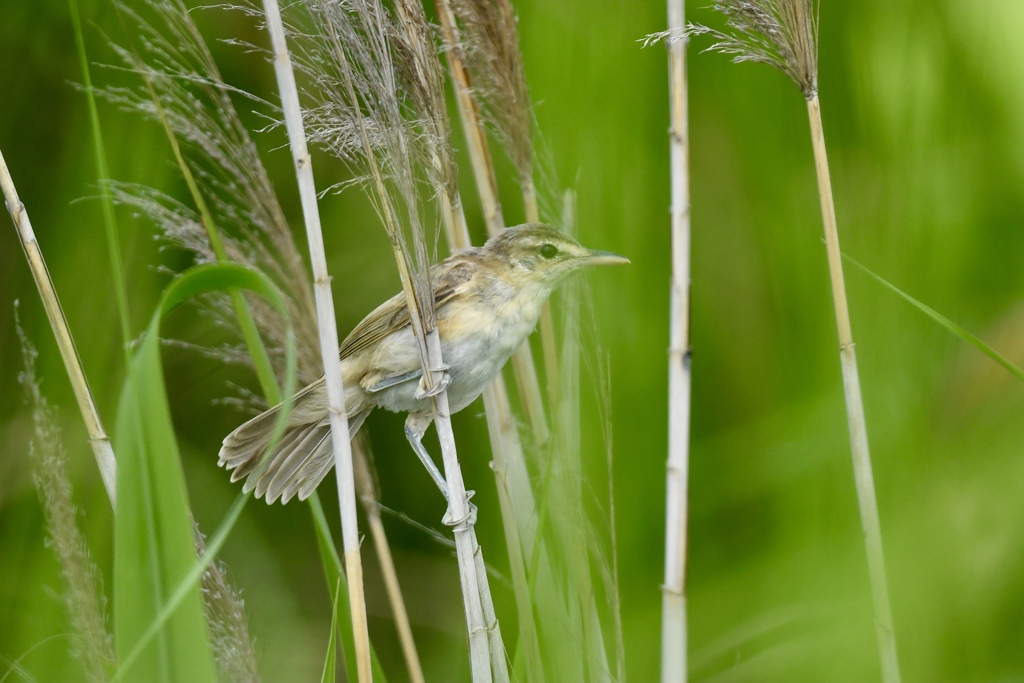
[{"x": 487, "y": 301}]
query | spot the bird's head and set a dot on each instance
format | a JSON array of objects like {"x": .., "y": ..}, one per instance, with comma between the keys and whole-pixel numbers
[{"x": 538, "y": 254}]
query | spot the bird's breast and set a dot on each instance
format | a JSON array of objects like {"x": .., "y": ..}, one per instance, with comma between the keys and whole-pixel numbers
[{"x": 477, "y": 340}]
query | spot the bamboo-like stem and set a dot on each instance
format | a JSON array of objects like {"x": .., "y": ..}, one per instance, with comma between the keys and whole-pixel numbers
[
  {"x": 499, "y": 665},
  {"x": 504, "y": 439},
  {"x": 515, "y": 498},
  {"x": 98, "y": 439},
  {"x": 459, "y": 515},
  {"x": 328, "y": 337},
  {"x": 673, "y": 590},
  {"x": 863, "y": 477},
  {"x": 460, "y": 518},
  {"x": 487, "y": 186},
  {"x": 371, "y": 506}
]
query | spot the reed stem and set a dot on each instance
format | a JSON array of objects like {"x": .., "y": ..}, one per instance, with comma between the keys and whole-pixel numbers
[
  {"x": 547, "y": 321},
  {"x": 98, "y": 439},
  {"x": 673, "y": 591},
  {"x": 487, "y": 185},
  {"x": 328, "y": 337},
  {"x": 515, "y": 498},
  {"x": 863, "y": 477},
  {"x": 367, "y": 489}
]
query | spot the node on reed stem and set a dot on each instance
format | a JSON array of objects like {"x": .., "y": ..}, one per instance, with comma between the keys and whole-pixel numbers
[
  {"x": 674, "y": 618},
  {"x": 65, "y": 342},
  {"x": 328, "y": 336},
  {"x": 348, "y": 54}
]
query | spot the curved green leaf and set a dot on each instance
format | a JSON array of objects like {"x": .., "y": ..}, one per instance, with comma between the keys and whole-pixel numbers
[{"x": 159, "y": 622}]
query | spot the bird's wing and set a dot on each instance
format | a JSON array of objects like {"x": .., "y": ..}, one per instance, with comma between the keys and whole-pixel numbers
[{"x": 449, "y": 278}]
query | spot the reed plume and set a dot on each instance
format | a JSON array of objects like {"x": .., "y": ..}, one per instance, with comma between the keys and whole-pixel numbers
[
  {"x": 189, "y": 93},
  {"x": 84, "y": 599},
  {"x": 359, "y": 112},
  {"x": 482, "y": 44}
]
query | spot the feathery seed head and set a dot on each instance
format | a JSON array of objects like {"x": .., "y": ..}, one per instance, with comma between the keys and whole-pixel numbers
[{"x": 780, "y": 33}]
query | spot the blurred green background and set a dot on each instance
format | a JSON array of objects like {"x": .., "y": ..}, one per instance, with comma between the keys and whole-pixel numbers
[{"x": 923, "y": 107}]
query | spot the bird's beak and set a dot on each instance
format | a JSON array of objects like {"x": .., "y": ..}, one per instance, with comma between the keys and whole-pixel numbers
[{"x": 603, "y": 258}]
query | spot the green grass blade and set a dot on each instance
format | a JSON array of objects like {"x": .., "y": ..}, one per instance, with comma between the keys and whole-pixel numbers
[
  {"x": 155, "y": 568},
  {"x": 945, "y": 322},
  {"x": 339, "y": 592},
  {"x": 153, "y": 547},
  {"x": 190, "y": 581},
  {"x": 330, "y": 661},
  {"x": 103, "y": 175}
]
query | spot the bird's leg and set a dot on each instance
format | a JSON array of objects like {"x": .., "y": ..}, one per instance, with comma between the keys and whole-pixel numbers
[
  {"x": 415, "y": 427},
  {"x": 423, "y": 392}
]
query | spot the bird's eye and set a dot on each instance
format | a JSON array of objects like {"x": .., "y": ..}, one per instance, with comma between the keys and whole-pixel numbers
[{"x": 549, "y": 251}]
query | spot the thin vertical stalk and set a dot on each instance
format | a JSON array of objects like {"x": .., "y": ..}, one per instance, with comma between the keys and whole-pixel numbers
[
  {"x": 547, "y": 322},
  {"x": 487, "y": 185},
  {"x": 483, "y": 652},
  {"x": 458, "y": 515},
  {"x": 515, "y": 493},
  {"x": 98, "y": 439},
  {"x": 328, "y": 337},
  {"x": 109, "y": 221},
  {"x": 368, "y": 495},
  {"x": 673, "y": 591},
  {"x": 863, "y": 476},
  {"x": 499, "y": 665},
  {"x": 504, "y": 439}
]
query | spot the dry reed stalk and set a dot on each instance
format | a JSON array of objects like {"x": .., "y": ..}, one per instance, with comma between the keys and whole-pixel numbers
[
  {"x": 494, "y": 63},
  {"x": 502, "y": 430},
  {"x": 358, "y": 114},
  {"x": 366, "y": 485},
  {"x": 328, "y": 337},
  {"x": 489, "y": 80},
  {"x": 515, "y": 492},
  {"x": 425, "y": 82},
  {"x": 98, "y": 439},
  {"x": 673, "y": 590},
  {"x": 863, "y": 476},
  {"x": 784, "y": 34},
  {"x": 487, "y": 186}
]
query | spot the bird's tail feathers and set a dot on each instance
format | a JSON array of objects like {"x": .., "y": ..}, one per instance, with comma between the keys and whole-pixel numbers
[{"x": 300, "y": 460}]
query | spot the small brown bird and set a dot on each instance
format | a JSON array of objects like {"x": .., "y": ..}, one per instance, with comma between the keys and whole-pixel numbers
[{"x": 487, "y": 301}]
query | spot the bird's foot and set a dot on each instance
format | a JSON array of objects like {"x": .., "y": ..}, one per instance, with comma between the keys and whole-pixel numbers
[
  {"x": 467, "y": 520},
  {"x": 423, "y": 392}
]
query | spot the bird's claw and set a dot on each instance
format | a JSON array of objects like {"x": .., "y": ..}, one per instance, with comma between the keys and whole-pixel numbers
[
  {"x": 422, "y": 392},
  {"x": 467, "y": 520}
]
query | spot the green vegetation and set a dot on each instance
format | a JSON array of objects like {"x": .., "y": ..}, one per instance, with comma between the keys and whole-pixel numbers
[{"x": 924, "y": 114}]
